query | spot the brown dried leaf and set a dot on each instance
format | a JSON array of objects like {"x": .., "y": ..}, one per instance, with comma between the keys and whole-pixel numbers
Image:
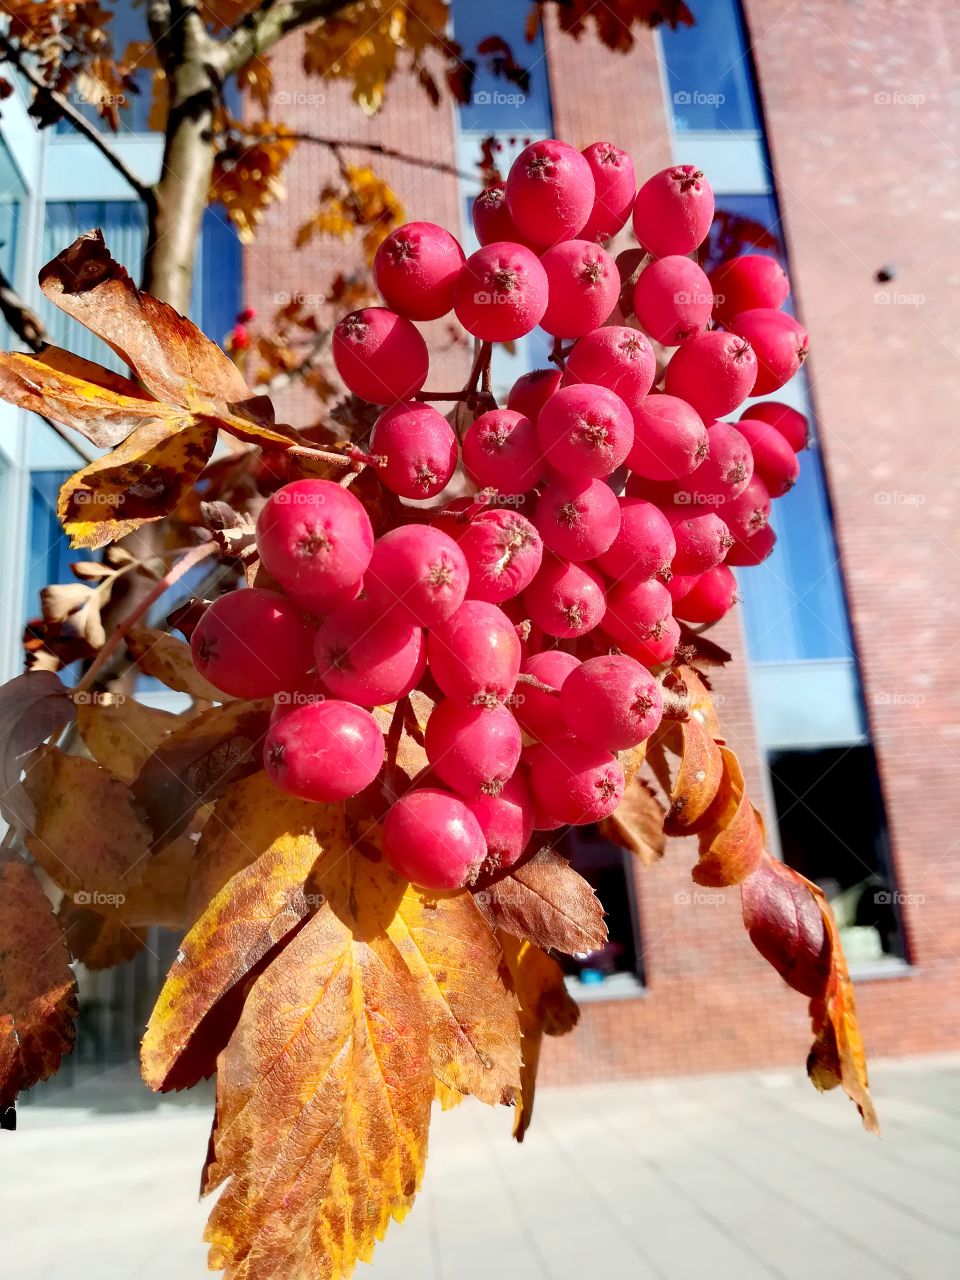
[
  {"x": 98, "y": 941},
  {"x": 637, "y": 823},
  {"x": 32, "y": 708},
  {"x": 87, "y": 835},
  {"x": 38, "y": 993},
  {"x": 546, "y": 902},
  {"x": 167, "y": 659}
]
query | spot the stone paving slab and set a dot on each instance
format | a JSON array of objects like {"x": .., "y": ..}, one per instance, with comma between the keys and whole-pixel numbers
[{"x": 748, "y": 1178}]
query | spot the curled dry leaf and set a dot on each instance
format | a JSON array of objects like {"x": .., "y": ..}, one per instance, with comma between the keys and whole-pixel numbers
[
  {"x": 167, "y": 659},
  {"x": 546, "y": 1008},
  {"x": 196, "y": 763},
  {"x": 77, "y": 609},
  {"x": 121, "y": 734},
  {"x": 33, "y": 707},
  {"x": 87, "y": 835},
  {"x": 38, "y": 996},
  {"x": 637, "y": 823},
  {"x": 545, "y": 901},
  {"x": 697, "y": 781},
  {"x": 730, "y": 836}
]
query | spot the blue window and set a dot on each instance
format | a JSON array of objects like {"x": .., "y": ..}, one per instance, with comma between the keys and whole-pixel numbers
[
  {"x": 709, "y": 76},
  {"x": 510, "y": 92},
  {"x": 127, "y": 23}
]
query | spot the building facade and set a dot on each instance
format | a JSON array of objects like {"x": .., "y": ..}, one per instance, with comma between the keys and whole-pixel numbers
[{"x": 830, "y": 136}]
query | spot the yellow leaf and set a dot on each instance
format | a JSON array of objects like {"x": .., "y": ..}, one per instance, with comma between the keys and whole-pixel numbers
[
  {"x": 167, "y": 659},
  {"x": 121, "y": 735}
]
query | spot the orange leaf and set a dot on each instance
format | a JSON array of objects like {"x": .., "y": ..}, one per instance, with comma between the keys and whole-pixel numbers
[
  {"x": 38, "y": 994},
  {"x": 121, "y": 735},
  {"x": 637, "y": 823},
  {"x": 546, "y": 902},
  {"x": 731, "y": 842},
  {"x": 697, "y": 781},
  {"x": 141, "y": 481},
  {"x": 98, "y": 941},
  {"x": 546, "y": 1008},
  {"x": 323, "y": 1098}
]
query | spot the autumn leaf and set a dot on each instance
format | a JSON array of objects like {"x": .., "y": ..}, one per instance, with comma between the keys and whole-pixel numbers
[
  {"x": 196, "y": 763},
  {"x": 33, "y": 707},
  {"x": 122, "y": 734},
  {"x": 87, "y": 834},
  {"x": 98, "y": 941},
  {"x": 637, "y": 823},
  {"x": 141, "y": 481},
  {"x": 256, "y": 906},
  {"x": 546, "y": 902},
  {"x": 167, "y": 659},
  {"x": 731, "y": 842},
  {"x": 75, "y": 608},
  {"x": 697, "y": 781},
  {"x": 323, "y": 1103},
  {"x": 546, "y": 1008},
  {"x": 38, "y": 996}
]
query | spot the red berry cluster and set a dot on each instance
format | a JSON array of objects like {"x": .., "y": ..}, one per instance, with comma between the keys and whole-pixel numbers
[{"x": 541, "y": 632}]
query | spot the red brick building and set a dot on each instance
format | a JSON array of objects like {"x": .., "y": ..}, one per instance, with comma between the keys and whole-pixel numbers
[{"x": 831, "y": 128}]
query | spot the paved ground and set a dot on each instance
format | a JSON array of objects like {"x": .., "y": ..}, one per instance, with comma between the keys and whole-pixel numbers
[{"x": 720, "y": 1179}]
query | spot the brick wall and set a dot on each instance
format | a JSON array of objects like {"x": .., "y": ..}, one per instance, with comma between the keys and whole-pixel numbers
[{"x": 863, "y": 183}]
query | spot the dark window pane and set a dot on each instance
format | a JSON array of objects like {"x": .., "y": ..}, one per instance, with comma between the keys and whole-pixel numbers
[
  {"x": 832, "y": 829},
  {"x": 709, "y": 75},
  {"x": 605, "y": 867}
]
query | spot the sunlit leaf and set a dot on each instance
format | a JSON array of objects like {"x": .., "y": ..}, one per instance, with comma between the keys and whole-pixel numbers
[{"x": 545, "y": 901}]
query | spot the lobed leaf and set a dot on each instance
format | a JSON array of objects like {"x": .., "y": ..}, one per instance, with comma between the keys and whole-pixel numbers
[
  {"x": 38, "y": 993},
  {"x": 33, "y": 707}
]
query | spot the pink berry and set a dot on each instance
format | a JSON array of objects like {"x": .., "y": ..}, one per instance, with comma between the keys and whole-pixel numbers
[
  {"x": 539, "y": 713},
  {"x": 501, "y": 450},
  {"x": 702, "y": 539},
  {"x": 419, "y": 446},
  {"x": 506, "y": 821},
  {"x": 565, "y": 599},
  {"x": 416, "y": 270},
  {"x": 550, "y": 191},
  {"x": 417, "y": 573},
  {"x": 714, "y": 372},
  {"x": 576, "y": 781},
  {"x": 644, "y": 546},
  {"x": 612, "y": 702},
  {"x": 531, "y": 391},
  {"x": 669, "y": 439},
  {"x": 748, "y": 513},
  {"x": 749, "y": 281},
  {"x": 503, "y": 551},
  {"x": 714, "y": 595},
  {"x": 584, "y": 286},
  {"x": 585, "y": 431},
  {"x": 315, "y": 538},
  {"x": 474, "y": 750},
  {"x": 725, "y": 471},
  {"x": 673, "y": 299},
  {"x": 615, "y": 184},
  {"x": 324, "y": 751},
  {"x": 367, "y": 657},
  {"x": 779, "y": 341},
  {"x": 657, "y": 650},
  {"x": 774, "y": 461},
  {"x": 432, "y": 839},
  {"x": 681, "y": 584},
  {"x": 673, "y": 211},
  {"x": 474, "y": 656},
  {"x": 637, "y": 610},
  {"x": 791, "y": 424},
  {"x": 501, "y": 292},
  {"x": 755, "y": 550},
  {"x": 491, "y": 218},
  {"x": 577, "y": 519},
  {"x": 380, "y": 355},
  {"x": 614, "y": 357},
  {"x": 252, "y": 643}
]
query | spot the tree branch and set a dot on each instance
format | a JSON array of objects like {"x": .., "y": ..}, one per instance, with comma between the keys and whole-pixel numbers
[
  {"x": 379, "y": 149},
  {"x": 9, "y": 53},
  {"x": 260, "y": 30}
]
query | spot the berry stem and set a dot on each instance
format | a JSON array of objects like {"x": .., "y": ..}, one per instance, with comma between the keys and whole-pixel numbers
[{"x": 534, "y": 683}]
